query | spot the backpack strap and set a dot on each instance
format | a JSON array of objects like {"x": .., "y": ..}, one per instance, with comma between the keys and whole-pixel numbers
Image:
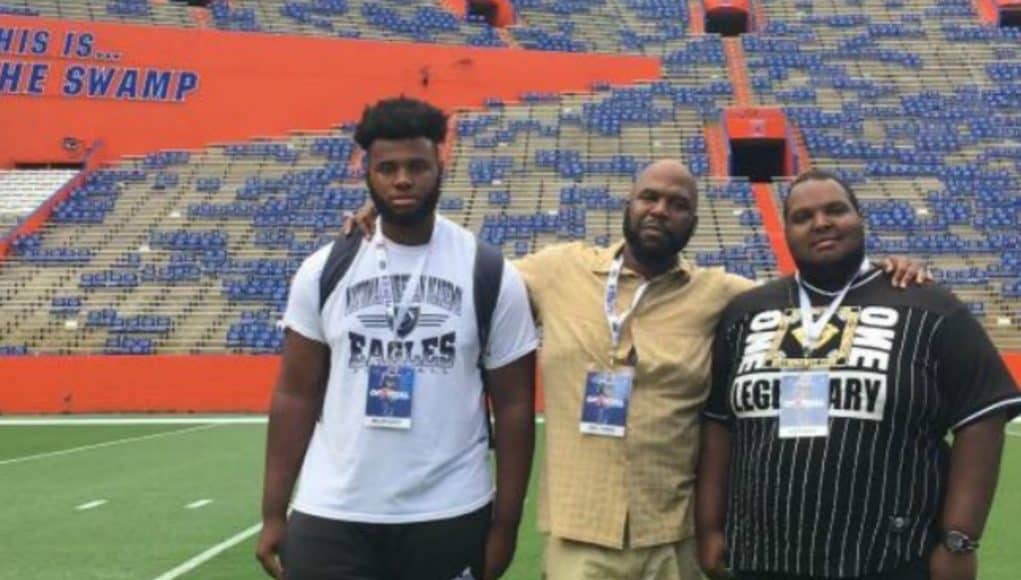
[
  {"x": 487, "y": 278},
  {"x": 343, "y": 253}
]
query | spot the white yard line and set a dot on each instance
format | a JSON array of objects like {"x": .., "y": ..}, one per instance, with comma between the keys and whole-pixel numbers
[
  {"x": 103, "y": 444},
  {"x": 197, "y": 504},
  {"x": 90, "y": 505},
  {"x": 45, "y": 421},
  {"x": 211, "y": 553}
]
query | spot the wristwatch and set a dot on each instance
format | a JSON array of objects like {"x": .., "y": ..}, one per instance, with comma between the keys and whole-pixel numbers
[{"x": 957, "y": 542}]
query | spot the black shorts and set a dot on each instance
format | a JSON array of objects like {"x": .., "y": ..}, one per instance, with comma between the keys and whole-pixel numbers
[
  {"x": 917, "y": 570},
  {"x": 322, "y": 549}
]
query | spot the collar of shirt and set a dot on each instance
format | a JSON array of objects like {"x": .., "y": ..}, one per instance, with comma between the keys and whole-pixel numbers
[{"x": 604, "y": 259}]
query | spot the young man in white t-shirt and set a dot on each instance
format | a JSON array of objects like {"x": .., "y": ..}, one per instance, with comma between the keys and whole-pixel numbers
[{"x": 380, "y": 403}]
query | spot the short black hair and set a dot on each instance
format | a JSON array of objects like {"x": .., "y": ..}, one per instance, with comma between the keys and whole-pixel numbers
[
  {"x": 821, "y": 175},
  {"x": 401, "y": 118}
]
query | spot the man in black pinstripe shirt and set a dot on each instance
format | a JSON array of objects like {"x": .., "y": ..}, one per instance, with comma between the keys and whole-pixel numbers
[{"x": 823, "y": 453}]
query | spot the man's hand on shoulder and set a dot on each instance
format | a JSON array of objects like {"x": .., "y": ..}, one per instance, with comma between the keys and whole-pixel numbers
[
  {"x": 364, "y": 219},
  {"x": 904, "y": 271}
]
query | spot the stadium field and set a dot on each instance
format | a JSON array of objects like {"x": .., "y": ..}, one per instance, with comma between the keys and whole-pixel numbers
[{"x": 163, "y": 498}]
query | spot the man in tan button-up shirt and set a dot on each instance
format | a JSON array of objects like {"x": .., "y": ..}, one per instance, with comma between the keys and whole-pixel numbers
[{"x": 620, "y": 506}]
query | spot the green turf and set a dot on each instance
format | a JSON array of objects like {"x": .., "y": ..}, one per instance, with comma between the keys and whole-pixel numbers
[
  {"x": 238, "y": 561},
  {"x": 20, "y": 441},
  {"x": 999, "y": 557},
  {"x": 144, "y": 530}
]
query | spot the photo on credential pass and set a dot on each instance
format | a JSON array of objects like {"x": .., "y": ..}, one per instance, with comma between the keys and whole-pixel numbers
[{"x": 205, "y": 369}]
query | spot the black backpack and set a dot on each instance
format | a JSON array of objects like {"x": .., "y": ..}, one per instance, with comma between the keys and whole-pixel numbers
[{"x": 487, "y": 275}]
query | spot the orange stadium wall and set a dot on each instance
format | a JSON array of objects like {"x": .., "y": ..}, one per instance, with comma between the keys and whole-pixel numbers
[
  {"x": 504, "y": 13},
  {"x": 723, "y": 6},
  {"x": 201, "y": 384},
  {"x": 117, "y": 384},
  {"x": 989, "y": 11},
  {"x": 760, "y": 123},
  {"x": 504, "y": 10},
  {"x": 156, "y": 88},
  {"x": 737, "y": 5},
  {"x": 1014, "y": 363},
  {"x": 101, "y": 384},
  {"x": 755, "y": 123}
]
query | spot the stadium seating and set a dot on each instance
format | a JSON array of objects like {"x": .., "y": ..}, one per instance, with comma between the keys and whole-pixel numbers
[
  {"x": 635, "y": 26},
  {"x": 918, "y": 106},
  {"x": 193, "y": 251},
  {"x": 188, "y": 252},
  {"x": 416, "y": 20}
]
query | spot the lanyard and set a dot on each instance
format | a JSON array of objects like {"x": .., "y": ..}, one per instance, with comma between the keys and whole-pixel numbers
[
  {"x": 386, "y": 283},
  {"x": 813, "y": 329},
  {"x": 616, "y": 321}
]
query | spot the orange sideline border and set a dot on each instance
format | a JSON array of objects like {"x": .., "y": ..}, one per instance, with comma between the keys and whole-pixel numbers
[
  {"x": 141, "y": 384},
  {"x": 161, "y": 384}
]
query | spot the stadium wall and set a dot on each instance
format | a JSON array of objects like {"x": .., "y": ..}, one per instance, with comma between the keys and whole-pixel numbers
[
  {"x": 504, "y": 10},
  {"x": 102, "y": 384},
  {"x": 153, "y": 384},
  {"x": 990, "y": 11},
  {"x": 196, "y": 87},
  {"x": 987, "y": 10},
  {"x": 141, "y": 384},
  {"x": 146, "y": 88}
]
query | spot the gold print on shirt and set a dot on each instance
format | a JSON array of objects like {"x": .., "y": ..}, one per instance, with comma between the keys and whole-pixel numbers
[
  {"x": 854, "y": 350},
  {"x": 828, "y": 333},
  {"x": 834, "y": 345}
]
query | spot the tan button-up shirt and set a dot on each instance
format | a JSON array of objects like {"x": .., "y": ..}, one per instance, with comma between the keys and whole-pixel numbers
[{"x": 634, "y": 491}]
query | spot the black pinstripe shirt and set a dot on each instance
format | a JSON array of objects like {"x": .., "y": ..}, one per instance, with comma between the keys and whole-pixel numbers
[{"x": 905, "y": 368}]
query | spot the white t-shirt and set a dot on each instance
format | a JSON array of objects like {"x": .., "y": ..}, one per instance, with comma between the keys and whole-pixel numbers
[{"x": 439, "y": 467}]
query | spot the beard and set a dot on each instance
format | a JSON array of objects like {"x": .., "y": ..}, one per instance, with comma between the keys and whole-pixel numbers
[
  {"x": 833, "y": 275},
  {"x": 429, "y": 203},
  {"x": 672, "y": 245}
]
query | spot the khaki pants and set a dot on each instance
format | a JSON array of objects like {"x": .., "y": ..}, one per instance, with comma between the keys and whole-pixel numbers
[{"x": 568, "y": 560}]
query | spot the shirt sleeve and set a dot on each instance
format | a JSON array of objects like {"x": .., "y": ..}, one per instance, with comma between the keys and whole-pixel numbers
[
  {"x": 302, "y": 314},
  {"x": 717, "y": 407},
  {"x": 535, "y": 270},
  {"x": 513, "y": 333},
  {"x": 530, "y": 270},
  {"x": 973, "y": 379},
  {"x": 736, "y": 285}
]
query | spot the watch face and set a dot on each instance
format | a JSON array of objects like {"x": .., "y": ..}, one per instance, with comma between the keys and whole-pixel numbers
[
  {"x": 955, "y": 542},
  {"x": 959, "y": 542}
]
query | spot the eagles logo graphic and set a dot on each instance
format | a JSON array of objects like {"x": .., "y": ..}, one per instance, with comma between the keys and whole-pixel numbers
[
  {"x": 415, "y": 318},
  {"x": 408, "y": 324}
]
